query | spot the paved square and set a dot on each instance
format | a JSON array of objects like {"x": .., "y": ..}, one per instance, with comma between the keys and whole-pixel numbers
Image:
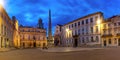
[{"x": 37, "y": 54}]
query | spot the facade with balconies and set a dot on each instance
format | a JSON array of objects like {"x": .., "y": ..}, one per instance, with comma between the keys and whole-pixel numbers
[{"x": 111, "y": 32}]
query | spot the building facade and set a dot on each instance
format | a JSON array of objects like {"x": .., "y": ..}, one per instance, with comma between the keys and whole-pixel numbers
[
  {"x": 33, "y": 36},
  {"x": 7, "y": 28},
  {"x": 111, "y": 32},
  {"x": 16, "y": 36},
  {"x": 83, "y": 31},
  {"x": 57, "y": 35}
]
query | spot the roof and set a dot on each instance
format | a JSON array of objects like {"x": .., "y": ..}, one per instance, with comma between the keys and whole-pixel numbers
[
  {"x": 30, "y": 27},
  {"x": 110, "y": 19},
  {"x": 85, "y": 17},
  {"x": 59, "y": 25}
]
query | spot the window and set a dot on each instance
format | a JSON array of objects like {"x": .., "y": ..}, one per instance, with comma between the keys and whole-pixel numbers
[
  {"x": 83, "y": 40},
  {"x": 2, "y": 28},
  {"x": 78, "y": 23},
  {"x": 92, "y": 39},
  {"x": 23, "y": 37},
  {"x": 96, "y": 18},
  {"x": 97, "y": 39},
  {"x": 79, "y": 40},
  {"x": 109, "y": 31},
  {"x": 72, "y": 33},
  {"x": 104, "y": 31},
  {"x": 82, "y": 22},
  {"x": 110, "y": 41},
  {"x": 28, "y": 37},
  {"x": 91, "y": 20},
  {"x": 91, "y": 29},
  {"x": 105, "y": 25},
  {"x": 5, "y": 30},
  {"x": 108, "y": 25},
  {"x": 29, "y": 30},
  {"x": 79, "y": 32},
  {"x": 75, "y": 32},
  {"x": 34, "y": 38},
  {"x": 69, "y": 26},
  {"x": 86, "y": 21},
  {"x": 86, "y": 30},
  {"x": 23, "y": 30},
  {"x": 72, "y": 25},
  {"x": 82, "y": 30},
  {"x": 96, "y": 29},
  {"x": 75, "y": 24},
  {"x": 115, "y": 24},
  {"x": 115, "y": 41},
  {"x": 118, "y": 23},
  {"x": 87, "y": 39}
]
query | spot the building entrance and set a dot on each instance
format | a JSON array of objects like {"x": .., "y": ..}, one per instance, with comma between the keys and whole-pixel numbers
[
  {"x": 75, "y": 43},
  {"x": 105, "y": 43},
  {"x": 34, "y": 44},
  {"x": 119, "y": 42}
]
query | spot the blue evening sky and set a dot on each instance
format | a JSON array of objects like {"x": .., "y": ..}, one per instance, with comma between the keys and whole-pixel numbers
[{"x": 63, "y": 11}]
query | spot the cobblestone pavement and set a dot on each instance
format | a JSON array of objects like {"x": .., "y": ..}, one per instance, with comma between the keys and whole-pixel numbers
[{"x": 37, "y": 54}]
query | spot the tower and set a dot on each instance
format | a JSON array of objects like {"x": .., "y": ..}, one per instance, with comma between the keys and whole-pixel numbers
[
  {"x": 40, "y": 24},
  {"x": 50, "y": 39}
]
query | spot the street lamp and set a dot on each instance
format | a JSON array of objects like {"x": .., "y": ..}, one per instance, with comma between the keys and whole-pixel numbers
[
  {"x": 67, "y": 30},
  {"x": 98, "y": 21}
]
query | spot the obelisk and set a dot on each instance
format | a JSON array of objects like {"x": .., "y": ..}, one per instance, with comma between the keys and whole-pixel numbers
[{"x": 50, "y": 40}]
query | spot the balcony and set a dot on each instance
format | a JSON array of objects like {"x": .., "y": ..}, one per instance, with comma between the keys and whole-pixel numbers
[{"x": 107, "y": 35}]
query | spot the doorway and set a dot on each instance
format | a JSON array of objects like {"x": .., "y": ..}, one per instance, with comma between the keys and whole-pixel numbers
[
  {"x": 105, "y": 43},
  {"x": 34, "y": 44},
  {"x": 75, "y": 43},
  {"x": 23, "y": 45},
  {"x": 119, "y": 42}
]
